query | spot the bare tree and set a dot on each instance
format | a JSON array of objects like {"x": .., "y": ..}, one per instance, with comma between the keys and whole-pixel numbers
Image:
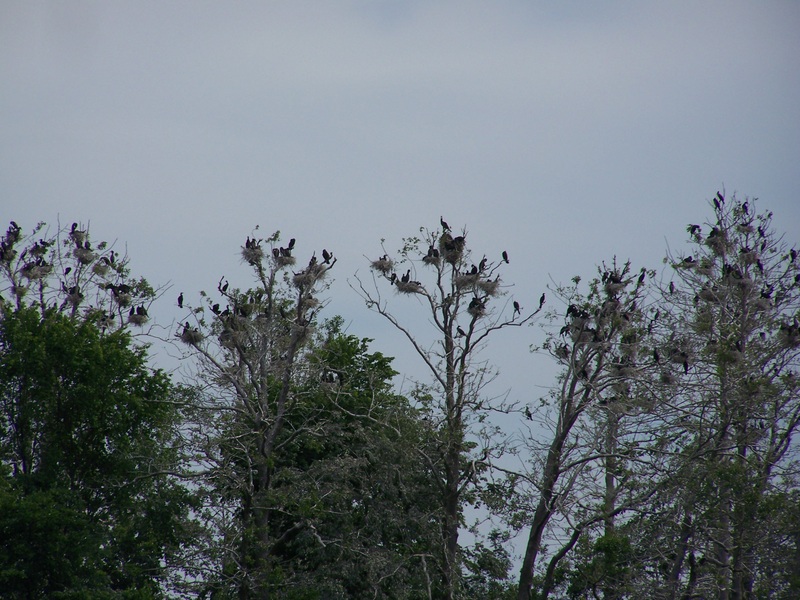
[{"x": 460, "y": 300}]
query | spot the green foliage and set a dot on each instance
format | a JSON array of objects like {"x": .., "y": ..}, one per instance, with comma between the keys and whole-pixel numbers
[{"x": 85, "y": 429}]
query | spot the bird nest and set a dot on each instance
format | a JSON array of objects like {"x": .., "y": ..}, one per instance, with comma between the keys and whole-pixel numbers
[
  {"x": 718, "y": 242},
  {"x": 383, "y": 265},
  {"x": 283, "y": 260},
  {"x": 490, "y": 287},
  {"x": 100, "y": 269},
  {"x": 83, "y": 255},
  {"x": 431, "y": 259},
  {"x": 137, "y": 319},
  {"x": 252, "y": 255},
  {"x": 309, "y": 276},
  {"x": 466, "y": 280},
  {"x": 123, "y": 299},
  {"x": 409, "y": 287},
  {"x": 191, "y": 335},
  {"x": 477, "y": 310},
  {"x": 34, "y": 272}
]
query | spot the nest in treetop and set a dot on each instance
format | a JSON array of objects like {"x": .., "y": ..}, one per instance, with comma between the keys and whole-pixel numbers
[
  {"x": 452, "y": 248},
  {"x": 100, "y": 269},
  {"x": 431, "y": 259},
  {"x": 309, "y": 276},
  {"x": 284, "y": 261},
  {"x": 466, "y": 280},
  {"x": 409, "y": 287},
  {"x": 383, "y": 265},
  {"x": 476, "y": 308},
  {"x": 137, "y": 319},
  {"x": 123, "y": 299},
  {"x": 253, "y": 255},
  {"x": 717, "y": 241},
  {"x": 191, "y": 335},
  {"x": 490, "y": 287},
  {"x": 83, "y": 255},
  {"x": 33, "y": 271}
]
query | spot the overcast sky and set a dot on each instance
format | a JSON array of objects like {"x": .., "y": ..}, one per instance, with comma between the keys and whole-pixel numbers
[{"x": 563, "y": 132}]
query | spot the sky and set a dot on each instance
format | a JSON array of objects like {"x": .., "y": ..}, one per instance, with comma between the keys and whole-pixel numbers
[{"x": 565, "y": 133}]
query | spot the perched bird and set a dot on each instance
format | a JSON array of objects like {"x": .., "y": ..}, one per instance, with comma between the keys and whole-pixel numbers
[
  {"x": 180, "y": 300},
  {"x": 671, "y": 287},
  {"x": 461, "y": 332},
  {"x": 528, "y": 414},
  {"x": 541, "y": 300},
  {"x": 517, "y": 308},
  {"x": 326, "y": 256},
  {"x": 444, "y": 224},
  {"x": 505, "y": 256},
  {"x": 291, "y": 244}
]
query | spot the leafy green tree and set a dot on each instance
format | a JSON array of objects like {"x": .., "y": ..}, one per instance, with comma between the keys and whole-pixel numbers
[
  {"x": 312, "y": 488},
  {"x": 87, "y": 436}
]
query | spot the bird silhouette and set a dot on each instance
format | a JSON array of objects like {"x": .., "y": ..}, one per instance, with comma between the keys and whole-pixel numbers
[
  {"x": 517, "y": 308},
  {"x": 460, "y": 331},
  {"x": 541, "y": 300},
  {"x": 505, "y": 256},
  {"x": 326, "y": 256},
  {"x": 444, "y": 224},
  {"x": 180, "y": 300}
]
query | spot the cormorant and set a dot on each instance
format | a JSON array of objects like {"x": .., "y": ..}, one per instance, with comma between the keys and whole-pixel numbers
[
  {"x": 180, "y": 300},
  {"x": 541, "y": 300},
  {"x": 444, "y": 224},
  {"x": 517, "y": 309},
  {"x": 505, "y": 256}
]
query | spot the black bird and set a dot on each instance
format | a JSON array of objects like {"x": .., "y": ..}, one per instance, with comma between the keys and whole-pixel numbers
[
  {"x": 326, "y": 256},
  {"x": 505, "y": 256},
  {"x": 461, "y": 332},
  {"x": 225, "y": 287},
  {"x": 67, "y": 270},
  {"x": 180, "y": 300},
  {"x": 671, "y": 287},
  {"x": 541, "y": 301},
  {"x": 528, "y": 414},
  {"x": 482, "y": 266},
  {"x": 141, "y": 310},
  {"x": 291, "y": 244},
  {"x": 215, "y": 308},
  {"x": 745, "y": 208},
  {"x": 517, "y": 308},
  {"x": 444, "y": 224},
  {"x": 111, "y": 257}
]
